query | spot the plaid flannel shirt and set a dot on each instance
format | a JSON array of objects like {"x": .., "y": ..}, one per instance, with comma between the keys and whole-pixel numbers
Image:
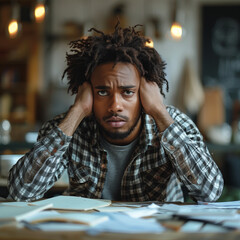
[{"x": 160, "y": 164}]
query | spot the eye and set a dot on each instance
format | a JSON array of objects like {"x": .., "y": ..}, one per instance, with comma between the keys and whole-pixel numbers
[
  {"x": 102, "y": 93},
  {"x": 128, "y": 93}
]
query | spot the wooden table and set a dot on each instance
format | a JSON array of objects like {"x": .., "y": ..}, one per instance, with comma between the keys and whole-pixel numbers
[
  {"x": 24, "y": 234},
  {"x": 12, "y": 232}
]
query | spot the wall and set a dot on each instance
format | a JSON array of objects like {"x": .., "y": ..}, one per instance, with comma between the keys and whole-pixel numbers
[{"x": 96, "y": 12}]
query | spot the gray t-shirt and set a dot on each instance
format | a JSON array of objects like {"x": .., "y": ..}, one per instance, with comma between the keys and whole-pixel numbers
[{"x": 118, "y": 158}]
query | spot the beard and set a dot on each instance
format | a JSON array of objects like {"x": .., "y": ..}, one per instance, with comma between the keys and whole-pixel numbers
[{"x": 118, "y": 135}]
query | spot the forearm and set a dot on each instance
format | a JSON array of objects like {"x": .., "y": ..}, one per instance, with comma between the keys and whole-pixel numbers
[
  {"x": 162, "y": 118},
  {"x": 73, "y": 118},
  {"x": 81, "y": 108},
  {"x": 37, "y": 170}
]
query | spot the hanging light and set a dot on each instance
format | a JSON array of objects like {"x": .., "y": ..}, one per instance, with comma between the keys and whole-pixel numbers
[
  {"x": 13, "y": 26},
  {"x": 39, "y": 11},
  {"x": 176, "y": 30},
  {"x": 176, "y": 26}
]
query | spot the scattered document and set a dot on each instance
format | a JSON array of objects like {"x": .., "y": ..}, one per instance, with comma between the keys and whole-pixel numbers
[
  {"x": 232, "y": 223},
  {"x": 141, "y": 212},
  {"x": 230, "y": 204},
  {"x": 120, "y": 217},
  {"x": 132, "y": 212},
  {"x": 191, "y": 226},
  {"x": 121, "y": 223},
  {"x": 9, "y": 213},
  {"x": 195, "y": 210},
  {"x": 73, "y": 203},
  {"x": 90, "y": 219},
  {"x": 113, "y": 209},
  {"x": 16, "y": 204},
  {"x": 210, "y": 228},
  {"x": 61, "y": 227}
]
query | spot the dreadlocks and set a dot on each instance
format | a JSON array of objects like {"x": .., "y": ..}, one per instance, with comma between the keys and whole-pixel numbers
[{"x": 123, "y": 45}]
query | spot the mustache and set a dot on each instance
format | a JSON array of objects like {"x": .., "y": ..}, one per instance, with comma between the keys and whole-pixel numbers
[{"x": 122, "y": 117}]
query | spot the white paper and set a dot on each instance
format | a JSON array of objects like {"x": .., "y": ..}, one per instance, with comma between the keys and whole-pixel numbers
[
  {"x": 229, "y": 204},
  {"x": 16, "y": 204},
  {"x": 90, "y": 219},
  {"x": 141, "y": 212},
  {"x": 196, "y": 210},
  {"x": 121, "y": 223},
  {"x": 20, "y": 213},
  {"x": 113, "y": 209},
  {"x": 191, "y": 226},
  {"x": 209, "y": 228},
  {"x": 218, "y": 219},
  {"x": 117, "y": 223},
  {"x": 52, "y": 226},
  {"x": 74, "y": 203},
  {"x": 232, "y": 223}
]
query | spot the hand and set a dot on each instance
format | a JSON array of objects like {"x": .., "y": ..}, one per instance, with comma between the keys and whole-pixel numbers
[
  {"x": 84, "y": 99},
  {"x": 81, "y": 108},
  {"x": 151, "y": 98},
  {"x": 152, "y": 103}
]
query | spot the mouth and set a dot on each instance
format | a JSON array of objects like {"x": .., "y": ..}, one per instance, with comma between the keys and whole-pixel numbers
[{"x": 115, "y": 122}]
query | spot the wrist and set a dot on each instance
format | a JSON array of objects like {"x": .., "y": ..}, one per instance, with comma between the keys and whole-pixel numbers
[
  {"x": 73, "y": 118},
  {"x": 162, "y": 119}
]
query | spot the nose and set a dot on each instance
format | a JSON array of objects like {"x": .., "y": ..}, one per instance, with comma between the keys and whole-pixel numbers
[{"x": 115, "y": 104}]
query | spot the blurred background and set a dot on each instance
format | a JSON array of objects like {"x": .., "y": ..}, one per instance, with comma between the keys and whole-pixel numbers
[{"x": 198, "y": 39}]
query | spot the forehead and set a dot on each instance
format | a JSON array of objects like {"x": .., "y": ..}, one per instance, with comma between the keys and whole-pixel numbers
[{"x": 121, "y": 73}]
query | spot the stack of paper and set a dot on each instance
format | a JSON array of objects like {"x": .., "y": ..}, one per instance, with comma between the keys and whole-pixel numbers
[
  {"x": 73, "y": 203},
  {"x": 32, "y": 211}
]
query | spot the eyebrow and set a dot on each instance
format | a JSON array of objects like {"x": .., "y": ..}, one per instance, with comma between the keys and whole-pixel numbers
[{"x": 122, "y": 87}]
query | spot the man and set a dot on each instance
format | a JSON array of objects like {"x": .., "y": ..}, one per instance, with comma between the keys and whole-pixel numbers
[{"x": 118, "y": 140}]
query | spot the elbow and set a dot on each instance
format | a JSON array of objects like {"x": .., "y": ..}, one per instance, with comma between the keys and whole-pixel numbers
[
  {"x": 207, "y": 193},
  {"x": 20, "y": 191}
]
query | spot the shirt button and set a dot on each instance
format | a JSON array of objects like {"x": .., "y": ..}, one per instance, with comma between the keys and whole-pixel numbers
[
  {"x": 165, "y": 139},
  {"x": 172, "y": 147},
  {"x": 53, "y": 151},
  {"x": 103, "y": 165},
  {"x": 190, "y": 178}
]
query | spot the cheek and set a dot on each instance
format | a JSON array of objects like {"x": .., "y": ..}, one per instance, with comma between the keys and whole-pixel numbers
[
  {"x": 136, "y": 105},
  {"x": 98, "y": 108}
]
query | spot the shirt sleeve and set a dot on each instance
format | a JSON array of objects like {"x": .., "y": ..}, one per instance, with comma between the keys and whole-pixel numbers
[
  {"x": 37, "y": 170},
  {"x": 191, "y": 159}
]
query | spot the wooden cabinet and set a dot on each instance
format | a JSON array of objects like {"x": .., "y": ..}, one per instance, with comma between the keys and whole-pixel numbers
[
  {"x": 20, "y": 73},
  {"x": 13, "y": 91},
  {"x": 18, "y": 86}
]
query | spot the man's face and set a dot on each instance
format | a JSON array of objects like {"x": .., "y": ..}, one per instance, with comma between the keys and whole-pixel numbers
[{"x": 116, "y": 104}]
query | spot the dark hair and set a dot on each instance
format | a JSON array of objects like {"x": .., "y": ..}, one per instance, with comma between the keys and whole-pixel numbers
[{"x": 123, "y": 45}]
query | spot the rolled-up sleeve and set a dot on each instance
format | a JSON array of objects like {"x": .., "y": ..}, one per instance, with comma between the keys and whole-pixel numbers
[
  {"x": 37, "y": 170},
  {"x": 191, "y": 159}
]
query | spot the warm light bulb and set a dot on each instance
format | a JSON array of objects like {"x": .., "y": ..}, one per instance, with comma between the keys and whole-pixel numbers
[
  {"x": 176, "y": 30},
  {"x": 39, "y": 12},
  {"x": 149, "y": 43},
  {"x": 13, "y": 28}
]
